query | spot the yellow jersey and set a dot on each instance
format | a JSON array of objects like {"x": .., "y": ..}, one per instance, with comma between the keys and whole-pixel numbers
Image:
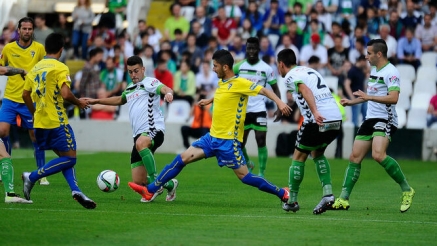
[
  {"x": 25, "y": 58},
  {"x": 45, "y": 81},
  {"x": 229, "y": 111}
]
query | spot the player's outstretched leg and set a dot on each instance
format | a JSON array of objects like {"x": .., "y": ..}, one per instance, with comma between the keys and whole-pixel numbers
[
  {"x": 351, "y": 177},
  {"x": 393, "y": 169},
  {"x": 264, "y": 185},
  {"x": 40, "y": 158},
  {"x": 324, "y": 172},
  {"x": 296, "y": 174},
  {"x": 7, "y": 174}
]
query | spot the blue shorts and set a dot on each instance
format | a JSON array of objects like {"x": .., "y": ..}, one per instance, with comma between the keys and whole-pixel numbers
[
  {"x": 9, "y": 111},
  {"x": 61, "y": 138},
  {"x": 227, "y": 151}
]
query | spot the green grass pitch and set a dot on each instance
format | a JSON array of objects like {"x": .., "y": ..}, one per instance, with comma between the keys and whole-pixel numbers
[{"x": 214, "y": 208}]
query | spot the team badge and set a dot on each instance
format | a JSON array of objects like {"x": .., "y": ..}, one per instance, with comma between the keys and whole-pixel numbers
[
  {"x": 258, "y": 73},
  {"x": 32, "y": 53}
]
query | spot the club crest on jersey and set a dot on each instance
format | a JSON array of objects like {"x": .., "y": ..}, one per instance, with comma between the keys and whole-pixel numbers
[
  {"x": 32, "y": 53},
  {"x": 155, "y": 81},
  {"x": 229, "y": 86},
  {"x": 258, "y": 73}
]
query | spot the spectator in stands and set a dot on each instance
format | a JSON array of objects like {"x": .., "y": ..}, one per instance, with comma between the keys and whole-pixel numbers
[
  {"x": 426, "y": 33},
  {"x": 123, "y": 40},
  {"x": 359, "y": 50},
  {"x": 433, "y": 13},
  {"x": 175, "y": 21},
  {"x": 6, "y": 37},
  {"x": 207, "y": 5},
  {"x": 104, "y": 32},
  {"x": 356, "y": 80},
  {"x": 83, "y": 17},
  {"x": 314, "y": 49},
  {"x": 346, "y": 12},
  {"x": 112, "y": 78},
  {"x": 273, "y": 19},
  {"x": 196, "y": 54},
  {"x": 90, "y": 80},
  {"x": 171, "y": 64},
  {"x": 201, "y": 38},
  {"x": 117, "y": 8},
  {"x": 224, "y": 29},
  {"x": 100, "y": 111},
  {"x": 323, "y": 15},
  {"x": 395, "y": 5},
  {"x": 392, "y": 44},
  {"x": 138, "y": 36},
  {"x": 232, "y": 10},
  {"x": 365, "y": 4},
  {"x": 397, "y": 29},
  {"x": 410, "y": 17},
  {"x": 431, "y": 117},
  {"x": 11, "y": 30},
  {"x": 372, "y": 22},
  {"x": 359, "y": 33},
  {"x": 296, "y": 37},
  {"x": 336, "y": 30},
  {"x": 99, "y": 42},
  {"x": 148, "y": 61},
  {"x": 286, "y": 43},
  {"x": 63, "y": 28},
  {"x": 238, "y": 49},
  {"x": 202, "y": 119},
  {"x": 313, "y": 29},
  {"x": 337, "y": 57},
  {"x": 163, "y": 74},
  {"x": 246, "y": 30},
  {"x": 409, "y": 49},
  {"x": 41, "y": 30},
  {"x": 119, "y": 58},
  {"x": 155, "y": 37},
  {"x": 188, "y": 8},
  {"x": 178, "y": 43},
  {"x": 253, "y": 16},
  {"x": 265, "y": 48},
  {"x": 184, "y": 83},
  {"x": 205, "y": 23},
  {"x": 299, "y": 17},
  {"x": 206, "y": 80}
]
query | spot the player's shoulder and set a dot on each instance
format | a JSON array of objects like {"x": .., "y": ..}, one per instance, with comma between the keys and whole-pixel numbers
[
  {"x": 238, "y": 64},
  {"x": 150, "y": 81},
  {"x": 37, "y": 44}
]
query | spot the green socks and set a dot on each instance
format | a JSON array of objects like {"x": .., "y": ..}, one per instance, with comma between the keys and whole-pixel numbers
[
  {"x": 149, "y": 163},
  {"x": 351, "y": 177},
  {"x": 245, "y": 155},
  {"x": 324, "y": 172},
  {"x": 296, "y": 173},
  {"x": 7, "y": 174},
  {"x": 262, "y": 158},
  {"x": 394, "y": 170}
]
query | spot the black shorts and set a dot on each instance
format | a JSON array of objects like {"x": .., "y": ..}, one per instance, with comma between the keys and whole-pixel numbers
[
  {"x": 157, "y": 141},
  {"x": 375, "y": 127},
  {"x": 256, "y": 121},
  {"x": 311, "y": 137}
]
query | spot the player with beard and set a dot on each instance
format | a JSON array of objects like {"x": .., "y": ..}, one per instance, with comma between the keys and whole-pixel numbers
[{"x": 23, "y": 53}]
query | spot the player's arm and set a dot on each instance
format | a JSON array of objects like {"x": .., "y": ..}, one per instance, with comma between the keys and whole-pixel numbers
[
  {"x": 28, "y": 100},
  {"x": 391, "y": 98},
  {"x": 10, "y": 71},
  {"x": 70, "y": 97},
  {"x": 167, "y": 92},
  {"x": 114, "y": 101},
  {"x": 205, "y": 102},
  {"x": 309, "y": 98},
  {"x": 285, "y": 109}
]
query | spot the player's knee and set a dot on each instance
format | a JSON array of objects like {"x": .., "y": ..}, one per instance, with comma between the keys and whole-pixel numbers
[
  {"x": 71, "y": 160},
  {"x": 143, "y": 143},
  {"x": 378, "y": 156}
]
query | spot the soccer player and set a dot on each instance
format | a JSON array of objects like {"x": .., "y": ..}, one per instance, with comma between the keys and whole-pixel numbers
[
  {"x": 321, "y": 125},
  {"x": 23, "y": 53},
  {"x": 224, "y": 139},
  {"x": 143, "y": 97},
  {"x": 7, "y": 170},
  {"x": 380, "y": 124},
  {"x": 260, "y": 73},
  {"x": 48, "y": 84}
]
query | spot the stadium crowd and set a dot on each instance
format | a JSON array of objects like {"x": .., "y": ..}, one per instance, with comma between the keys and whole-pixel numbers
[{"x": 334, "y": 33}]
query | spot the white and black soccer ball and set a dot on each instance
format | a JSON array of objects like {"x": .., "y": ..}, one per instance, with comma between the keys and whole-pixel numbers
[{"x": 108, "y": 181}]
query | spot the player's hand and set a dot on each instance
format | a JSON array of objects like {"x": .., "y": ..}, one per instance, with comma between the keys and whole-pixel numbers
[
  {"x": 360, "y": 94},
  {"x": 344, "y": 102},
  {"x": 23, "y": 74},
  {"x": 319, "y": 118},
  {"x": 83, "y": 103},
  {"x": 204, "y": 102},
  {"x": 168, "y": 97},
  {"x": 278, "y": 115},
  {"x": 284, "y": 108}
]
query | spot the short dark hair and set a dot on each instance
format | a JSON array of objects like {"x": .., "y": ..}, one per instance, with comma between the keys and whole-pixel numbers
[
  {"x": 54, "y": 43},
  {"x": 95, "y": 51},
  {"x": 313, "y": 60},
  {"x": 253, "y": 40},
  {"x": 287, "y": 57},
  {"x": 361, "y": 41},
  {"x": 177, "y": 31},
  {"x": 379, "y": 45},
  {"x": 26, "y": 19},
  {"x": 134, "y": 60},
  {"x": 223, "y": 57},
  {"x": 41, "y": 16}
]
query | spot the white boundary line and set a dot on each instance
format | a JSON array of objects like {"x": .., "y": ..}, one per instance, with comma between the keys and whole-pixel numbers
[{"x": 315, "y": 217}]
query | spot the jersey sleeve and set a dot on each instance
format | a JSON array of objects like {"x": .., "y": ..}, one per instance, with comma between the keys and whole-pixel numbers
[
  {"x": 247, "y": 87},
  {"x": 292, "y": 83},
  {"x": 3, "y": 55},
  {"x": 155, "y": 86},
  {"x": 271, "y": 76},
  {"x": 63, "y": 76},
  {"x": 393, "y": 81}
]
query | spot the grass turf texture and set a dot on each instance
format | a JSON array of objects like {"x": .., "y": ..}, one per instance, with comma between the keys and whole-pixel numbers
[{"x": 214, "y": 208}]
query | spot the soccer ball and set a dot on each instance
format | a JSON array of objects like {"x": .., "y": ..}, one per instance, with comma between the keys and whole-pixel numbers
[{"x": 108, "y": 181}]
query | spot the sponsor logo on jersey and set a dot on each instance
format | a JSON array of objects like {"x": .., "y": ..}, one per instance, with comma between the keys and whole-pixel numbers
[
  {"x": 394, "y": 80},
  {"x": 15, "y": 55},
  {"x": 155, "y": 81}
]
